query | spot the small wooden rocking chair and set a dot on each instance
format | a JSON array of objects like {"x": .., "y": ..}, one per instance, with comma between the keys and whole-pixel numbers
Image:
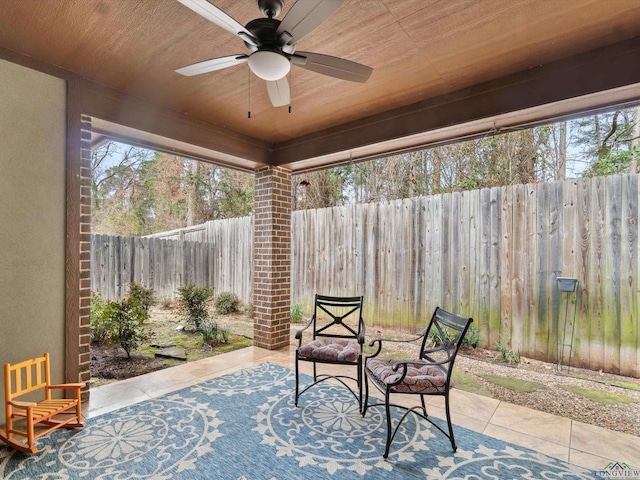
[{"x": 26, "y": 377}]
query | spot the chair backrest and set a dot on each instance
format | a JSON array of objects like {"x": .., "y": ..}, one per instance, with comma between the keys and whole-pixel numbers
[
  {"x": 26, "y": 377},
  {"x": 338, "y": 317},
  {"x": 442, "y": 338}
]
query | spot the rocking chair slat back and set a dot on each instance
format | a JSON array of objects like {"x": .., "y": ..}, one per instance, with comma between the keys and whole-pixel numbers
[{"x": 26, "y": 377}]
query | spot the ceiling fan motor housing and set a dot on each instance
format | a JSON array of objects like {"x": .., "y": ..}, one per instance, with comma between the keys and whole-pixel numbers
[{"x": 264, "y": 30}]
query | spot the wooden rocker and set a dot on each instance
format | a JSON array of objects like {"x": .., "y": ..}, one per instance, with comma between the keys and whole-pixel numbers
[{"x": 29, "y": 376}]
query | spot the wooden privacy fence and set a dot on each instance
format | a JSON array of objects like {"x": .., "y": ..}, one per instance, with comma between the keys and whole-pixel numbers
[
  {"x": 163, "y": 265},
  {"x": 223, "y": 263},
  {"x": 493, "y": 254},
  {"x": 230, "y": 244}
]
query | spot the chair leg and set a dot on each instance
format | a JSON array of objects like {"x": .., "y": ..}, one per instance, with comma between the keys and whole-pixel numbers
[
  {"x": 446, "y": 403},
  {"x": 424, "y": 406},
  {"x": 79, "y": 412},
  {"x": 9, "y": 423},
  {"x": 360, "y": 385},
  {"x": 297, "y": 381},
  {"x": 366, "y": 395},
  {"x": 388, "y": 410},
  {"x": 31, "y": 438}
]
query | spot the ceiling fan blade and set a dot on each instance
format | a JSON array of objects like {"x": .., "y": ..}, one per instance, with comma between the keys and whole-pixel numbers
[
  {"x": 212, "y": 65},
  {"x": 335, "y": 67},
  {"x": 279, "y": 92},
  {"x": 305, "y": 15},
  {"x": 217, "y": 16}
]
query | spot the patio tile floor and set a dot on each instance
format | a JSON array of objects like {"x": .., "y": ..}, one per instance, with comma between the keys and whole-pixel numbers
[{"x": 572, "y": 441}]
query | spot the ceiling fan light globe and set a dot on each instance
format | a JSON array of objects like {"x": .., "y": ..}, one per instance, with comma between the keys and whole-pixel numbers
[{"x": 269, "y": 65}]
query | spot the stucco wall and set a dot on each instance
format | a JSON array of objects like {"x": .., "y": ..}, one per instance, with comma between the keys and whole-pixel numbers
[{"x": 32, "y": 217}]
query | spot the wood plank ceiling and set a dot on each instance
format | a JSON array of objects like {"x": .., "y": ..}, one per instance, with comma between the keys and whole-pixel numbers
[{"x": 424, "y": 53}]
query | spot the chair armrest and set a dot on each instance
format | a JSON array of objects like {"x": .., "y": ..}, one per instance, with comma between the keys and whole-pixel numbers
[
  {"x": 380, "y": 340},
  {"x": 299, "y": 332},
  {"x": 363, "y": 332},
  {"x": 67, "y": 386},
  {"x": 398, "y": 363},
  {"x": 23, "y": 405}
]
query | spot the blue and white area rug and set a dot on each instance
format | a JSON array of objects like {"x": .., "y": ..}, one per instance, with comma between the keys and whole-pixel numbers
[{"x": 245, "y": 426}]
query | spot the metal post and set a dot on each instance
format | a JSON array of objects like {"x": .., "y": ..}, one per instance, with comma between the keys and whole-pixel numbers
[{"x": 566, "y": 285}]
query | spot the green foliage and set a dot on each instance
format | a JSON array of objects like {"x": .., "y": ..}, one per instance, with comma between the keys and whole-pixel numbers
[
  {"x": 515, "y": 384},
  {"x": 193, "y": 303},
  {"x": 209, "y": 330},
  {"x": 248, "y": 309},
  {"x": 227, "y": 302},
  {"x": 223, "y": 335},
  {"x": 142, "y": 294},
  {"x": 124, "y": 320},
  {"x": 599, "y": 396},
  {"x": 118, "y": 322},
  {"x": 99, "y": 325},
  {"x": 471, "y": 338},
  {"x": 212, "y": 333},
  {"x": 297, "y": 314},
  {"x": 606, "y": 141},
  {"x": 467, "y": 383},
  {"x": 508, "y": 356},
  {"x": 612, "y": 163}
]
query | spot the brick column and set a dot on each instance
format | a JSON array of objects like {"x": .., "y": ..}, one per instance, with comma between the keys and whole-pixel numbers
[
  {"x": 84, "y": 360},
  {"x": 272, "y": 258}
]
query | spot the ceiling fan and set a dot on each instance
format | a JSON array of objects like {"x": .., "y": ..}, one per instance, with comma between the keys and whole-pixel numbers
[{"x": 272, "y": 44}]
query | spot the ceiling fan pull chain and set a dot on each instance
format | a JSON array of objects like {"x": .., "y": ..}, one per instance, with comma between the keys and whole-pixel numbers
[
  {"x": 291, "y": 85},
  {"x": 249, "y": 100}
]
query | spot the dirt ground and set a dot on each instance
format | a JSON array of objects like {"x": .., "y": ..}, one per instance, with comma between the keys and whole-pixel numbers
[
  {"x": 475, "y": 365},
  {"x": 165, "y": 328}
]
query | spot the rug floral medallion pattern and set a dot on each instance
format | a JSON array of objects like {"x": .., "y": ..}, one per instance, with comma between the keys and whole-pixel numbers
[{"x": 246, "y": 426}]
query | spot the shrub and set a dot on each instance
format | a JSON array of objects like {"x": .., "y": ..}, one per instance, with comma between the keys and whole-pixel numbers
[
  {"x": 227, "y": 302},
  {"x": 248, "y": 309},
  {"x": 125, "y": 319},
  {"x": 212, "y": 333},
  {"x": 99, "y": 323},
  {"x": 297, "y": 313},
  {"x": 223, "y": 335},
  {"x": 508, "y": 356},
  {"x": 471, "y": 338},
  {"x": 209, "y": 330},
  {"x": 142, "y": 294},
  {"x": 193, "y": 304}
]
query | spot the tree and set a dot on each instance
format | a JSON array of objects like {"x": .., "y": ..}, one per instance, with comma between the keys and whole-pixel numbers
[
  {"x": 607, "y": 141},
  {"x": 125, "y": 319},
  {"x": 118, "y": 192},
  {"x": 138, "y": 192}
]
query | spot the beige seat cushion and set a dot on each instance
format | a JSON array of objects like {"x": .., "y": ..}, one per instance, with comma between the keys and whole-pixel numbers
[
  {"x": 330, "y": 349},
  {"x": 419, "y": 378}
]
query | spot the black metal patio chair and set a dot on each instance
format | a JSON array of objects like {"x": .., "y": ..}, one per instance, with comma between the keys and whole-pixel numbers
[
  {"x": 428, "y": 374},
  {"x": 334, "y": 335}
]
